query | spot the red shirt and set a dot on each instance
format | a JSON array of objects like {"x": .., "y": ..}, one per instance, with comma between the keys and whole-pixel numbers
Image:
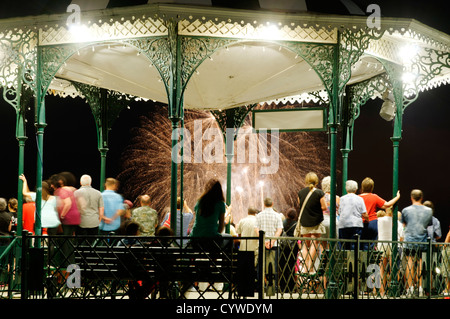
[
  {"x": 28, "y": 216},
  {"x": 373, "y": 203}
]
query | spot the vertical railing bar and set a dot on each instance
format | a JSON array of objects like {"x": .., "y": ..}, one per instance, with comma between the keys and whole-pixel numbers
[
  {"x": 261, "y": 258},
  {"x": 429, "y": 266},
  {"x": 356, "y": 268}
]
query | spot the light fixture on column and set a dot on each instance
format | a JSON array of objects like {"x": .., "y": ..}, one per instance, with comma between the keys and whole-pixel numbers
[{"x": 387, "y": 111}]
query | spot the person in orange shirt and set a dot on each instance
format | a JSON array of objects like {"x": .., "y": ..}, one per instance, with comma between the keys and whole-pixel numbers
[
  {"x": 28, "y": 214},
  {"x": 373, "y": 203}
]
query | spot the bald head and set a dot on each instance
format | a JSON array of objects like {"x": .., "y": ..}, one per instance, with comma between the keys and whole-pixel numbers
[
  {"x": 145, "y": 200},
  {"x": 416, "y": 195}
]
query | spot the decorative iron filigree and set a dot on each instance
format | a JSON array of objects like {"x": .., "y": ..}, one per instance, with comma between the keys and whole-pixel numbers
[
  {"x": 352, "y": 46},
  {"x": 195, "y": 51},
  {"x": 232, "y": 118},
  {"x": 17, "y": 64},
  {"x": 105, "y": 105},
  {"x": 318, "y": 56}
]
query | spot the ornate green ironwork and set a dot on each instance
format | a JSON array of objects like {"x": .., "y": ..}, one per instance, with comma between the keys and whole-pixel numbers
[
  {"x": 358, "y": 94},
  {"x": 17, "y": 64},
  {"x": 319, "y": 56},
  {"x": 26, "y": 65},
  {"x": 232, "y": 118},
  {"x": 423, "y": 68},
  {"x": 106, "y": 106},
  {"x": 431, "y": 63},
  {"x": 17, "y": 75},
  {"x": 196, "y": 50},
  {"x": 352, "y": 45},
  {"x": 52, "y": 58},
  {"x": 157, "y": 50}
]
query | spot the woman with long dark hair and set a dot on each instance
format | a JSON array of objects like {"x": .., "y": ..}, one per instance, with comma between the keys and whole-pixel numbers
[{"x": 210, "y": 211}]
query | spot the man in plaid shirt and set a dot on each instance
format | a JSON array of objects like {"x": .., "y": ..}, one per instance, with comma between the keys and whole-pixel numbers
[{"x": 270, "y": 222}]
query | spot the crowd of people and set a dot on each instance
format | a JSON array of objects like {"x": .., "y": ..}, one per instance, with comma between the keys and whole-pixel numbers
[
  {"x": 72, "y": 207},
  {"x": 365, "y": 215}
]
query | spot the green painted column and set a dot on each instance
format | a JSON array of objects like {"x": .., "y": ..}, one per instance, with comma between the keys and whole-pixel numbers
[
  {"x": 345, "y": 152},
  {"x": 229, "y": 157},
  {"x": 230, "y": 136},
  {"x": 22, "y": 99},
  {"x": 174, "y": 176},
  {"x": 333, "y": 153},
  {"x": 40, "y": 126},
  {"x": 103, "y": 125},
  {"x": 21, "y": 138},
  {"x": 103, "y": 153},
  {"x": 175, "y": 97},
  {"x": 333, "y": 149},
  {"x": 181, "y": 175},
  {"x": 347, "y": 119},
  {"x": 332, "y": 288},
  {"x": 396, "y": 138},
  {"x": 230, "y": 121}
]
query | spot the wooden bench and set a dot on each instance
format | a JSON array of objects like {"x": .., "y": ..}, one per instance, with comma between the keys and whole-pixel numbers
[{"x": 163, "y": 265}]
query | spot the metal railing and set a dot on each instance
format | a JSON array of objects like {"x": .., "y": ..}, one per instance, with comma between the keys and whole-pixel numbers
[
  {"x": 335, "y": 269},
  {"x": 10, "y": 269},
  {"x": 53, "y": 267}
]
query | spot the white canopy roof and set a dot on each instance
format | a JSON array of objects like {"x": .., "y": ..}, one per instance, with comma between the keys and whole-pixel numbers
[{"x": 253, "y": 70}]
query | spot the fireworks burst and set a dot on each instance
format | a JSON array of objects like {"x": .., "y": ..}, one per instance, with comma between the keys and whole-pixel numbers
[{"x": 146, "y": 164}]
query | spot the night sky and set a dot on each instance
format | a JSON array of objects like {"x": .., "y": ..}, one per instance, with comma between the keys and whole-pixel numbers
[{"x": 70, "y": 137}]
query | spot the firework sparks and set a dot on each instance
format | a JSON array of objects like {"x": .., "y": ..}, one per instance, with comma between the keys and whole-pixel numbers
[{"x": 146, "y": 164}]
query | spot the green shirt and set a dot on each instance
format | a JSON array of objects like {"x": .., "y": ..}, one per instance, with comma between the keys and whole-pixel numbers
[
  {"x": 208, "y": 226},
  {"x": 147, "y": 218}
]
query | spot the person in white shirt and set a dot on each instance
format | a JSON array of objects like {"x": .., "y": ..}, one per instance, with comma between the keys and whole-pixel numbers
[
  {"x": 351, "y": 211},
  {"x": 246, "y": 228},
  {"x": 384, "y": 239}
]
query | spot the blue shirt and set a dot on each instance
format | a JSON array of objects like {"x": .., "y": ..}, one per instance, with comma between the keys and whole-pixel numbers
[
  {"x": 435, "y": 230},
  {"x": 416, "y": 219},
  {"x": 112, "y": 202}
]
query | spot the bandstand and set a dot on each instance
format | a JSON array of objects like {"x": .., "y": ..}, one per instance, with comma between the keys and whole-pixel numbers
[{"x": 222, "y": 60}]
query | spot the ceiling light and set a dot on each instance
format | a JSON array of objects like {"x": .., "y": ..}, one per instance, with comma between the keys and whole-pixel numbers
[
  {"x": 408, "y": 53},
  {"x": 269, "y": 32},
  {"x": 409, "y": 77},
  {"x": 80, "y": 32}
]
